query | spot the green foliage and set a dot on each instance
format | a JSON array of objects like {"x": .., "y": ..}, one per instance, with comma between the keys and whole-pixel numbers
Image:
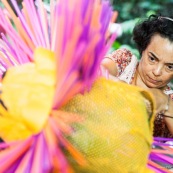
[
  {"x": 132, "y": 9},
  {"x": 47, "y": 1}
]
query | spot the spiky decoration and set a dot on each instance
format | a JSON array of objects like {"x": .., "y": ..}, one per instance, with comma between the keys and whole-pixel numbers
[
  {"x": 161, "y": 156},
  {"x": 73, "y": 37}
]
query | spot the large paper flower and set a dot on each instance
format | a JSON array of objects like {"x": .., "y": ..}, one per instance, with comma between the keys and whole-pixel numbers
[{"x": 46, "y": 59}]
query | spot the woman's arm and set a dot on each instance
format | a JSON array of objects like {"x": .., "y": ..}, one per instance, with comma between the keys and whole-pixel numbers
[
  {"x": 110, "y": 66},
  {"x": 109, "y": 69}
]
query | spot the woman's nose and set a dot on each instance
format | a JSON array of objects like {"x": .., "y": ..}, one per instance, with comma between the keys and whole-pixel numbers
[{"x": 157, "y": 70}]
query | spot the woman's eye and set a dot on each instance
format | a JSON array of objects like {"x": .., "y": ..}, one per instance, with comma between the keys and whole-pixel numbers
[
  {"x": 152, "y": 59},
  {"x": 170, "y": 67}
]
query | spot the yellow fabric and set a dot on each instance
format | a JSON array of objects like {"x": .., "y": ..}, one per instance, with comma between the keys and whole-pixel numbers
[
  {"x": 27, "y": 92},
  {"x": 116, "y": 135}
]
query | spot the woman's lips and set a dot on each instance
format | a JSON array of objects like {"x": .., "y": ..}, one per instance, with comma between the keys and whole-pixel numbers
[{"x": 153, "y": 80}]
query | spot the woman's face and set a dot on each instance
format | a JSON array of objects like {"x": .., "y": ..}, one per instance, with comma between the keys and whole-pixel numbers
[{"x": 156, "y": 65}]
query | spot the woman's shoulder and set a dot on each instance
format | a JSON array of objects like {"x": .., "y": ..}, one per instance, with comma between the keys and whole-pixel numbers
[{"x": 120, "y": 55}]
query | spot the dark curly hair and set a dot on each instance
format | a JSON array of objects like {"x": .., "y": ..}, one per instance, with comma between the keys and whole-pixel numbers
[{"x": 155, "y": 24}]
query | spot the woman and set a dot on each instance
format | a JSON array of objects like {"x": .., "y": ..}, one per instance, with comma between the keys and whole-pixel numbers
[{"x": 154, "y": 39}]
